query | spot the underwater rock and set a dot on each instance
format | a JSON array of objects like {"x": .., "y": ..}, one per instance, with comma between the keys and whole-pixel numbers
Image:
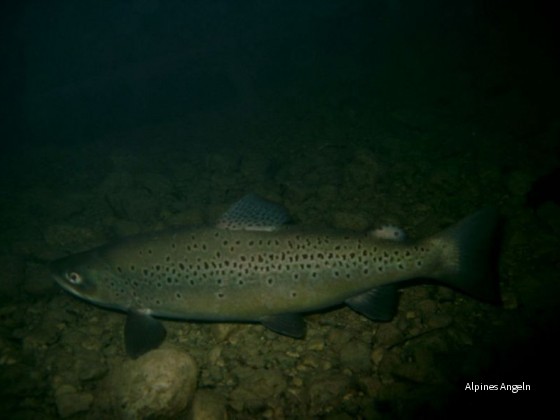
[
  {"x": 327, "y": 389},
  {"x": 136, "y": 198},
  {"x": 12, "y": 276},
  {"x": 350, "y": 221},
  {"x": 135, "y": 204},
  {"x": 550, "y": 214},
  {"x": 258, "y": 388},
  {"x": 207, "y": 405},
  {"x": 70, "y": 402},
  {"x": 356, "y": 356},
  {"x": 518, "y": 184},
  {"x": 159, "y": 384},
  {"x": 72, "y": 237},
  {"x": 38, "y": 280},
  {"x": 544, "y": 189}
]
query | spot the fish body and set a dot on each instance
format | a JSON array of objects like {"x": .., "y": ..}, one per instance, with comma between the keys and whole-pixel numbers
[{"x": 252, "y": 268}]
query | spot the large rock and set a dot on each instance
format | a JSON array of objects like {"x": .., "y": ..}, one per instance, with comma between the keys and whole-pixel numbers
[
  {"x": 70, "y": 402},
  {"x": 207, "y": 405},
  {"x": 159, "y": 384}
]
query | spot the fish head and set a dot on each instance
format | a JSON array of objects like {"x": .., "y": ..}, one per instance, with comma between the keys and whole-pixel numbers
[{"x": 89, "y": 277}]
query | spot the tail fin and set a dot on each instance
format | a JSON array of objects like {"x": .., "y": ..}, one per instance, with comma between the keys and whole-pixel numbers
[{"x": 475, "y": 242}]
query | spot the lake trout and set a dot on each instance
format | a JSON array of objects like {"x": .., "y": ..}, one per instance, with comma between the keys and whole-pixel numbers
[{"x": 254, "y": 267}]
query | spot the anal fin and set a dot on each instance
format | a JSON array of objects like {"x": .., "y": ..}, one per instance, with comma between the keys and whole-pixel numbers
[
  {"x": 142, "y": 333},
  {"x": 378, "y": 304}
]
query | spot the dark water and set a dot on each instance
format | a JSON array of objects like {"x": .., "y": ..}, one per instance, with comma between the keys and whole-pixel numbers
[{"x": 128, "y": 116}]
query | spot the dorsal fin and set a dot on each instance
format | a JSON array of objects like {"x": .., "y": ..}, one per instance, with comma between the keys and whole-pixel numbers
[{"x": 253, "y": 213}]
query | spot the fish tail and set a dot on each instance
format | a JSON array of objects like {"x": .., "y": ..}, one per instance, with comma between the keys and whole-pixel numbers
[{"x": 474, "y": 244}]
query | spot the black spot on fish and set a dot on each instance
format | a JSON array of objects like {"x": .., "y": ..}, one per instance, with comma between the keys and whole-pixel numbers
[
  {"x": 169, "y": 280},
  {"x": 178, "y": 295},
  {"x": 241, "y": 282},
  {"x": 119, "y": 269},
  {"x": 132, "y": 268}
]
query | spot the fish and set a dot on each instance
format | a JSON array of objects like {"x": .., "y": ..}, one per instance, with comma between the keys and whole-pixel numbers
[{"x": 254, "y": 265}]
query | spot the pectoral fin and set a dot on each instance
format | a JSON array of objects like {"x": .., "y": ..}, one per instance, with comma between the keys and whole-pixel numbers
[{"x": 142, "y": 333}]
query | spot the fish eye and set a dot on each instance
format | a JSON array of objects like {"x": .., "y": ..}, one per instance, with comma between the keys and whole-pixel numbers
[{"x": 74, "y": 277}]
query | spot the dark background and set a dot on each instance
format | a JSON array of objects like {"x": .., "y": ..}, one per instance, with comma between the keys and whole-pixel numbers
[{"x": 74, "y": 71}]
